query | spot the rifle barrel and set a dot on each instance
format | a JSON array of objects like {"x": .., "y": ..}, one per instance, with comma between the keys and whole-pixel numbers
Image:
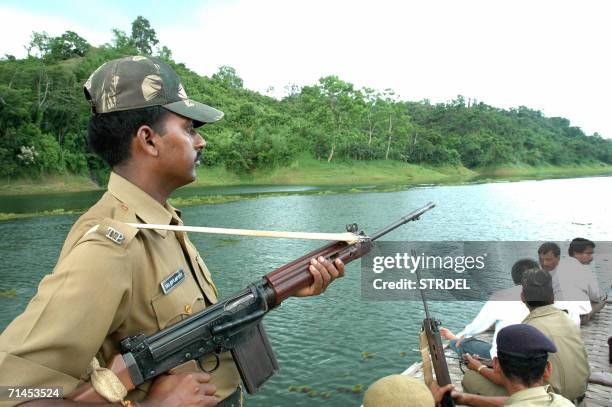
[
  {"x": 414, "y": 215},
  {"x": 421, "y": 291}
]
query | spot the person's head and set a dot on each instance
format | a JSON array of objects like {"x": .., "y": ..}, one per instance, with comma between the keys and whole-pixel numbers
[
  {"x": 537, "y": 288},
  {"x": 548, "y": 255},
  {"x": 398, "y": 391},
  {"x": 518, "y": 269},
  {"x": 582, "y": 250},
  {"x": 522, "y": 355},
  {"x": 142, "y": 116}
]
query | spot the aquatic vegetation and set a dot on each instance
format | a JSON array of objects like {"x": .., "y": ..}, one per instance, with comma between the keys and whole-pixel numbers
[
  {"x": 367, "y": 355},
  {"x": 357, "y": 389},
  {"x": 312, "y": 392},
  {"x": 227, "y": 242},
  {"x": 8, "y": 293}
]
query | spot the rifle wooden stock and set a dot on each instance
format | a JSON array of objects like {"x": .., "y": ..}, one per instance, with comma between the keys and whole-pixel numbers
[
  {"x": 438, "y": 359},
  {"x": 288, "y": 279}
]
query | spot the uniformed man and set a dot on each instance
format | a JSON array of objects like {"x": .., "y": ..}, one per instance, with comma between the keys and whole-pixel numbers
[
  {"x": 113, "y": 280},
  {"x": 570, "y": 367},
  {"x": 523, "y": 367}
]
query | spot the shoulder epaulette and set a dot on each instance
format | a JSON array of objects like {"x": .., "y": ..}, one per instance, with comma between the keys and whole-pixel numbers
[{"x": 111, "y": 230}]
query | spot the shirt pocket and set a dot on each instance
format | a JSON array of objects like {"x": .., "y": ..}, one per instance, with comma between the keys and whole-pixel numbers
[{"x": 181, "y": 302}]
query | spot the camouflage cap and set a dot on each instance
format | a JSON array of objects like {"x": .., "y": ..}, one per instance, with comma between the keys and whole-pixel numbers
[{"x": 139, "y": 81}]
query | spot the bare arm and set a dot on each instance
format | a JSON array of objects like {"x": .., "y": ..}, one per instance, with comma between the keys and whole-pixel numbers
[
  {"x": 487, "y": 373},
  {"x": 179, "y": 390},
  {"x": 475, "y": 400}
]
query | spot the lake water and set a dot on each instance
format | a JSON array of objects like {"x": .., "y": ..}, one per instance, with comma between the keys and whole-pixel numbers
[{"x": 320, "y": 342}]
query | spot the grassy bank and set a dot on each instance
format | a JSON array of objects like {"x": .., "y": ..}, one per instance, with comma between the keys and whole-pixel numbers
[
  {"x": 47, "y": 184},
  {"x": 308, "y": 171},
  {"x": 526, "y": 171}
]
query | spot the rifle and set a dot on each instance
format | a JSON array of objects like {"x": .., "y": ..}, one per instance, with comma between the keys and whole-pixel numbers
[
  {"x": 436, "y": 350},
  {"x": 233, "y": 324}
]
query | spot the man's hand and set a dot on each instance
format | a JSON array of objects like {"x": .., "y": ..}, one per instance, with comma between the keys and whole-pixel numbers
[
  {"x": 473, "y": 362},
  {"x": 447, "y": 333},
  {"x": 439, "y": 392},
  {"x": 324, "y": 272},
  {"x": 185, "y": 389}
]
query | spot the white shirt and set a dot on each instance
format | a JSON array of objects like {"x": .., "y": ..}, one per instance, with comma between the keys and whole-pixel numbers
[
  {"x": 578, "y": 287},
  {"x": 503, "y": 308}
]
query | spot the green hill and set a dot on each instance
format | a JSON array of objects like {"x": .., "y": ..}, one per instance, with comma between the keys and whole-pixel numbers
[{"x": 43, "y": 121}]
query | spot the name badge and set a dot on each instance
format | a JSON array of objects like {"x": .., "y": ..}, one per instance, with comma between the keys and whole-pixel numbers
[{"x": 172, "y": 280}]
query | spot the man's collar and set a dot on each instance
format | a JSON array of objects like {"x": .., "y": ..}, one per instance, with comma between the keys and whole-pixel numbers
[
  {"x": 530, "y": 393},
  {"x": 146, "y": 208},
  {"x": 544, "y": 310}
]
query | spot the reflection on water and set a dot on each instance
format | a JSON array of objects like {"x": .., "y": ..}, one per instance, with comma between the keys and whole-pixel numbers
[{"x": 320, "y": 342}]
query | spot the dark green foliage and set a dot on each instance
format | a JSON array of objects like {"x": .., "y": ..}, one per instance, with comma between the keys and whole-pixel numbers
[
  {"x": 143, "y": 36},
  {"x": 43, "y": 119}
]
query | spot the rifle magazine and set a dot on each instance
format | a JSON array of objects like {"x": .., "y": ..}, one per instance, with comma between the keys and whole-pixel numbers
[{"x": 255, "y": 358}]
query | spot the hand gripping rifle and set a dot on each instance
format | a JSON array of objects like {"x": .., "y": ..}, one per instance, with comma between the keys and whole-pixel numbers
[
  {"x": 233, "y": 324},
  {"x": 436, "y": 350}
]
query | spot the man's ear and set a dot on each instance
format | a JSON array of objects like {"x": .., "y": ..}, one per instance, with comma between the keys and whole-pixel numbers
[
  {"x": 547, "y": 371},
  {"x": 146, "y": 140},
  {"x": 523, "y": 298}
]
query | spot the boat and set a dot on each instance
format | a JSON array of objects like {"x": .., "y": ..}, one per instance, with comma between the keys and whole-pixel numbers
[{"x": 595, "y": 335}]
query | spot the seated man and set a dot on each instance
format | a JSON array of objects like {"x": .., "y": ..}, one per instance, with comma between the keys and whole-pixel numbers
[
  {"x": 581, "y": 250},
  {"x": 570, "y": 367},
  {"x": 549, "y": 255},
  {"x": 523, "y": 368},
  {"x": 503, "y": 308}
]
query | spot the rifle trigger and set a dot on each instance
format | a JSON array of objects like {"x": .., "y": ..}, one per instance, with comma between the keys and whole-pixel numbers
[{"x": 215, "y": 367}]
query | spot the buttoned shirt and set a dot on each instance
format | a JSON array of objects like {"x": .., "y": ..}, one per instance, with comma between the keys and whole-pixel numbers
[
  {"x": 107, "y": 286},
  {"x": 541, "y": 396}
]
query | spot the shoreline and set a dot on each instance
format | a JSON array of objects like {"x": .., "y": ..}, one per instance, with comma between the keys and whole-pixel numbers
[{"x": 325, "y": 178}]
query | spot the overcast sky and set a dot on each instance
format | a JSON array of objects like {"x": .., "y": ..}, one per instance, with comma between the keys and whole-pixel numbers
[{"x": 547, "y": 55}]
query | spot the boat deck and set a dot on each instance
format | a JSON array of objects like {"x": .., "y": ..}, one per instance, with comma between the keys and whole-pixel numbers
[{"x": 595, "y": 335}]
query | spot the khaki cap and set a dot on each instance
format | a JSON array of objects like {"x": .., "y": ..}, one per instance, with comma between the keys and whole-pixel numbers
[{"x": 398, "y": 391}]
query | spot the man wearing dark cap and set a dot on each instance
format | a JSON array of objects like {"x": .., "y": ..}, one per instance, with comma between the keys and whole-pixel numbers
[
  {"x": 113, "y": 280},
  {"x": 570, "y": 367},
  {"x": 523, "y": 368}
]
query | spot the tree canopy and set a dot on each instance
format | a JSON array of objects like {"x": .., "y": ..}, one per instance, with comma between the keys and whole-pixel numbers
[{"x": 43, "y": 118}]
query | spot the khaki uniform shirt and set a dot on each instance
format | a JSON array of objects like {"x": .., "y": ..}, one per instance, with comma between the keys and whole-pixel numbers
[
  {"x": 570, "y": 366},
  {"x": 541, "y": 396},
  {"x": 106, "y": 286}
]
